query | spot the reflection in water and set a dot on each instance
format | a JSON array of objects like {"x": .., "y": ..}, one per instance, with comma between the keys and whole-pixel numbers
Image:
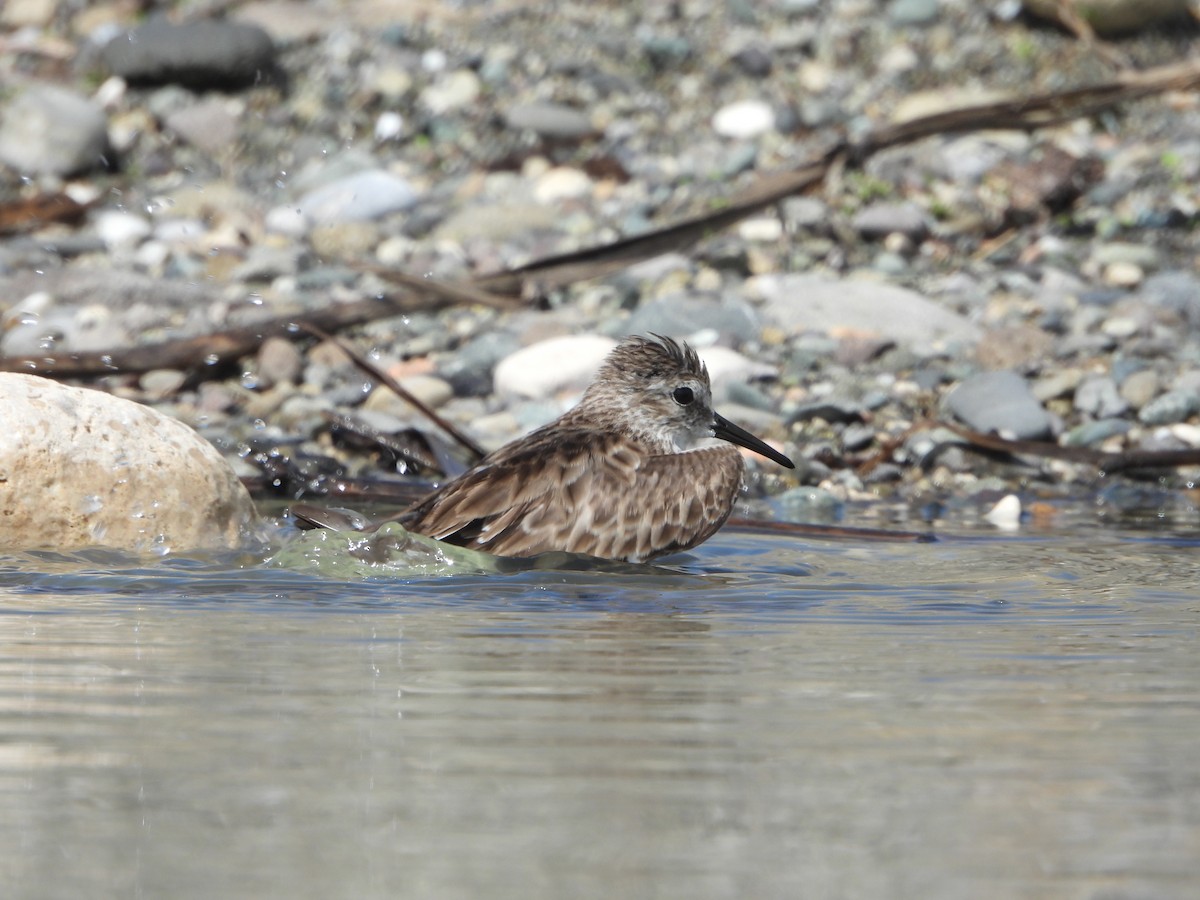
[{"x": 970, "y": 718}]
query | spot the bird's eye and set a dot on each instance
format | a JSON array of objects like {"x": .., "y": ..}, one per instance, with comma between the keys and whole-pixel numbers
[{"x": 683, "y": 395}]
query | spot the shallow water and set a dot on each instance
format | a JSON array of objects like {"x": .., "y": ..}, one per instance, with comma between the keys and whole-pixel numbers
[{"x": 983, "y": 716}]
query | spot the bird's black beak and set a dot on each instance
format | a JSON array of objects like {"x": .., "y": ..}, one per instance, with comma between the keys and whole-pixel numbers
[{"x": 727, "y": 431}]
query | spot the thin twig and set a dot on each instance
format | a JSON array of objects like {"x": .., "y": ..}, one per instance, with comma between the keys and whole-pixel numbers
[{"x": 373, "y": 371}]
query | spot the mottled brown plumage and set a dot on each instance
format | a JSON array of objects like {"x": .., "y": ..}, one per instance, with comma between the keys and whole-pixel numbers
[{"x": 615, "y": 477}]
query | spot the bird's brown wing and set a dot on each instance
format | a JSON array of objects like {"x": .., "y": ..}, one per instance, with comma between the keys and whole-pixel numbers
[{"x": 584, "y": 492}]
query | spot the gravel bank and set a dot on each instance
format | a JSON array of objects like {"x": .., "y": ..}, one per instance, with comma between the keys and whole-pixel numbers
[{"x": 1045, "y": 284}]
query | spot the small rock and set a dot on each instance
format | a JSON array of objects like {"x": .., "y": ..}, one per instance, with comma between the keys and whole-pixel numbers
[
  {"x": 1123, "y": 274},
  {"x": 1000, "y": 402},
  {"x": 549, "y": 120},
  {"x": 451, "y": 92},
  {"x": 1187, "y": 434},
  {"x": 389, "y": 126},
  {"x": 210, "y": 125},
  {"x": 162, "y": 382},
  {"x": 279, "y": 362},
  {"x": 360, "y": 197},
  {"x": 81, "y": 468},
  {"x": 561, "y": 183},
  {"x": 1057, "y": 384},
  {"x": 1006, "y": 514},
  {"x": 51, "y": 131},
  {"x": 684, "y": 314},
  {"x": 1169, "y": 408},
  {"x": 1177, "y": 290},
  {"x": 761, "y": 229},
  {"x": 726, "y": 365},
  {"x": 1091, "y": 433},
  {"x": 21, "y": 13},
  {"x": 913, "y": 12},
  {"x": 879, "y": 220},
  {"x": 1098, "y": 397},
  {"x": 202, "y": 54},
  {"x": 1014, "y": 346},
  {"x": 429, "y": 389},
  {"x": 1140, "y": 387},
  {"x": 754, "y": 60},
  {"x": 744, "y": 120},
  {"x": 121, "y": 230}
]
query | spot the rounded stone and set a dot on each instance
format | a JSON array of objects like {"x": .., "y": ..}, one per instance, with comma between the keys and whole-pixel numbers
[
  {"x": 547, "y": 367},
  {"x": 550, "y": 120},
  {"x": 744, "y": 119},
  {"x": 202, "y": 54},
  {"x": 51, "y": 131},
  {"x": 81, "y": 468}
]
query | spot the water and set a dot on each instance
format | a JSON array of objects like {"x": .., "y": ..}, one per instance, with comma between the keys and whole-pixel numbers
[{"x": 983, "y": 717}]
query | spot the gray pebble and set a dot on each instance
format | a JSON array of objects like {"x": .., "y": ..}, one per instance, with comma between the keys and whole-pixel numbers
[
  {"x": 878, "y": 220},
  {"x": 1140, "y": 387},
  {"x": 360, "y": 197},
  {"x": 45, "y": 130},
  {"x": 857, "y": 437},
  {"x": 1092, "y": 433},
  {"x": 1098, "y": 397},
  {"x": 279, "y": 362},
  {"x": 1173, "y": 406},
  {"x": 754, "y": 60},
  {"x": 683, "y": 314},
  {"x": 913, "y": 12},
  {"x": 549, "y": 120},
  {"x": 1176, "y": 290},
  {"x": 1001, "y": 402},
  {"x": 202, "y": 54}
]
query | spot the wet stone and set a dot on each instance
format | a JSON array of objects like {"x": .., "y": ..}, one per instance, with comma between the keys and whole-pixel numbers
[{"x": 810, "y": 505}]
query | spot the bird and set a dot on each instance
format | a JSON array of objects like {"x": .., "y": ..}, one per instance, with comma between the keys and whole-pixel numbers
[{"x": 629, "y": 473}]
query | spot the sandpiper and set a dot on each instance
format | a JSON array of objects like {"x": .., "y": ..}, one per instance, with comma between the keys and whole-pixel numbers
[{"x": 630, "y": 473}]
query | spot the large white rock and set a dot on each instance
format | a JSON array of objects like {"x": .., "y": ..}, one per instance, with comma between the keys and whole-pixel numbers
[
  {"x": 543, "y": 369},
  {"x": 81, "y": 468}
]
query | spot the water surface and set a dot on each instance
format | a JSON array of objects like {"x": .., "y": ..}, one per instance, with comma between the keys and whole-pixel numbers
[{"x": 982, "y": 716}]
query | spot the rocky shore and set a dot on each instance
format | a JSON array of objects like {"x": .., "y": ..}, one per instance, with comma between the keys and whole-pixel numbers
[{"x": 245, "y": 160}]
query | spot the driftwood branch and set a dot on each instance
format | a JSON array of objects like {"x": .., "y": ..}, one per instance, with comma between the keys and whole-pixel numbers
[{"x": 1103, "y": 461}]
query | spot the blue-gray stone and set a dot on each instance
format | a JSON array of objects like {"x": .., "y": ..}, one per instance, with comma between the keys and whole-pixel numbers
[
  {"x": 1169, "y": 408},
  {"x": 1177, "y": 290},
  {"x": 913, "y": 12},
  {"x": 1000, "y": 402},
  {"x": 1092, "y": 433},
  {"x": 1098, "y": 397},
  {"x": 732, "y": 318}
]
